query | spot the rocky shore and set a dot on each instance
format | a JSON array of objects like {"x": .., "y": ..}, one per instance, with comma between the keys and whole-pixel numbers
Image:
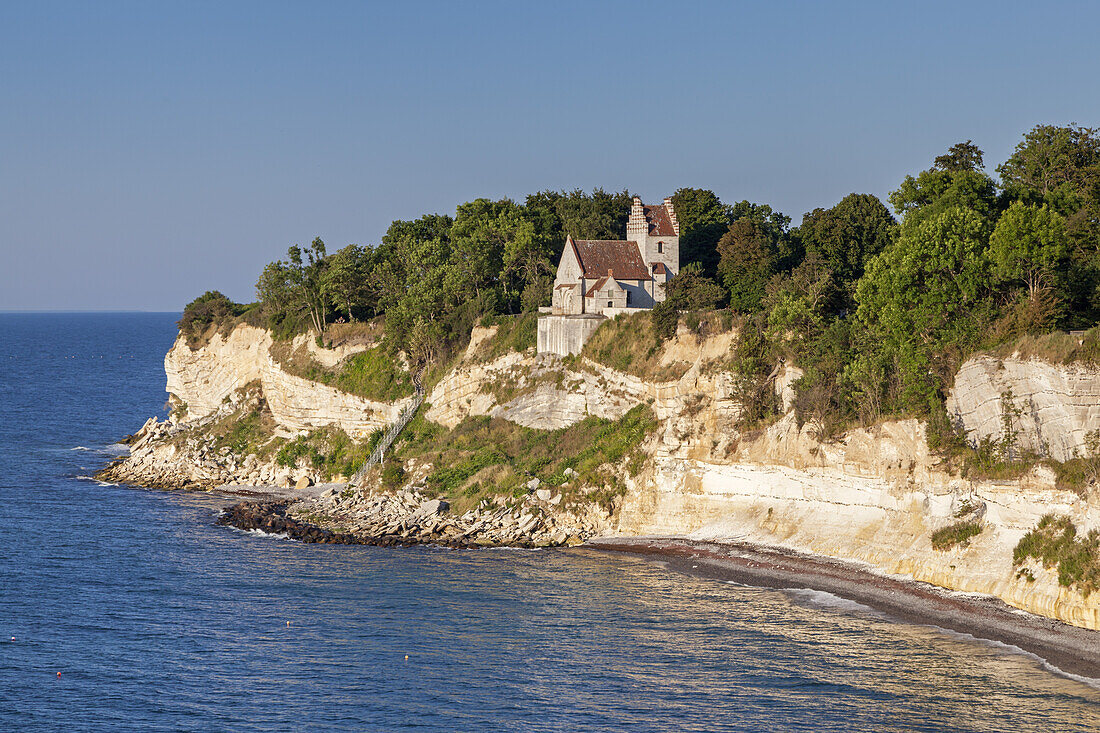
[
  {"x": 166, "y": 455},
  {"x": 347, "y": 516}
]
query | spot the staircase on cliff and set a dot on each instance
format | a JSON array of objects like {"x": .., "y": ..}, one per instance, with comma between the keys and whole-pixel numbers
[{"x": 388, "y": 437}]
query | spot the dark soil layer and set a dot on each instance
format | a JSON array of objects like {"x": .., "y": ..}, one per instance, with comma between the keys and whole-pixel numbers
[{"x": 1069, "y": 648}]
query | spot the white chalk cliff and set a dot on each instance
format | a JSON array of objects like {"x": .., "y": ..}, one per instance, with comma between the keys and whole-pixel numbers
[{"x": 874, "y": 496}]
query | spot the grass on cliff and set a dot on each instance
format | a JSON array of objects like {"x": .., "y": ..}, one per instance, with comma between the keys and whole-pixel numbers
[
  {"x": 329, "y": 451},
  {"x": 1055, "y": 544},
  {"x": 485, "y": 456},
  {"x": 372, "y": 374},
  {"x": 959, "y": 533},
  {"x": 514, "y": 334},
  {"x": 635, "y": 343},
  {"x": 1058, "y": 347},
  {"x": 249, "y": 429}
]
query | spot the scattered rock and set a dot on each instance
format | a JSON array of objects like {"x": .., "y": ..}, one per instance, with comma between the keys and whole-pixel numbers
[
  {"x": 533, "y": 484},
  {"x": 543, "y": 494},
  {"x": 303, "y": 483}
]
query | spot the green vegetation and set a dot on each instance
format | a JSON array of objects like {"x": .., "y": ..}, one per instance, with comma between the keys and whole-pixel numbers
[
  {"x": 484, "y": 456},
  {"x": 514, "y": 333},
  {"x": 372, "y": 373},
  {"x": 1055, "y": 544},
  {"x": 955, "y": 534},
  {"x": 211, "y": 309},
  {"x": 878, "y": 313},
  {"x": 249, "y": 429},
  {"x": 635, "y": 343},
  {"x": 329, "y": 451}
]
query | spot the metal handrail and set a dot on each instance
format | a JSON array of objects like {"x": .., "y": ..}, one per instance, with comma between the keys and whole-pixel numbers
[{"x": 388, "y": 437}]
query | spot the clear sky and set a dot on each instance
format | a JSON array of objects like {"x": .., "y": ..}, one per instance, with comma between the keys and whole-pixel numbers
[{"x": 150, "y": 151}]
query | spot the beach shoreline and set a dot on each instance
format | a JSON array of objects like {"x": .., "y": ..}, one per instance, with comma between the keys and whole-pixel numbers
[{"x": 1071, "y": 649}]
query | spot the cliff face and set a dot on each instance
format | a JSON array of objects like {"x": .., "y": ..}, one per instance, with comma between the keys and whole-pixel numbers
[
  {"x": 205, "y": 377},
  {"x": 1053, "y": 406},
  {"x": 873, "y": 496}
]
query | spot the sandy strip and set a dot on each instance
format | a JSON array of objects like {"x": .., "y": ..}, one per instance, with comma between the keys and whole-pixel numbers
[{"x": 1069, "y": 648}]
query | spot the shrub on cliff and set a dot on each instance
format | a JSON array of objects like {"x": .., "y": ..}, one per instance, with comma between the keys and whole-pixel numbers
[
  {"x": 1055, "y": 544},
  {"x": 955, "y": 534},
  {"x": 209, "y": 308}
]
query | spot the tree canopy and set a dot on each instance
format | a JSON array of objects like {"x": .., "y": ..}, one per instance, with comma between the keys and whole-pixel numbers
[{"x": 877, "y": 312}]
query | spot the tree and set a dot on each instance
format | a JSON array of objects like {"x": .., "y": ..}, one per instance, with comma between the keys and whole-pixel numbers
[
  {"x": 1059, "y": 166},
  {"x": 296, "y": 285},
  {"x": 1028, "y": 245},
  {"x": 703, "y": 219},
  {"x": 787, "y": 250},
  {"x": 960, "y": 157},
  {"x": 343, "y": 281},
  {"x": 210, "y": 307},
  {"x": 601, "y": 215},
  {"x": 849, "y": 234},
  {"x": 949, "y": 184},
  {"x": 478, "y": 236},
  {"x": 691, "y": 290},
  {"x": 921, "y": 295},
  {"x": 273, "y": 287},
  {"x": 746, "y": 263}
]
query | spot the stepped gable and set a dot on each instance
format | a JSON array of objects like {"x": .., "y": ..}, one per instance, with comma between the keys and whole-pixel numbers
[
  {"x": 660, "y": 223},
  {"x": 598, "y": 257}
]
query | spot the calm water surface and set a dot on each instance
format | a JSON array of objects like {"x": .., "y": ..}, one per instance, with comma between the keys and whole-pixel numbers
[{"x": 157, "y": 620}]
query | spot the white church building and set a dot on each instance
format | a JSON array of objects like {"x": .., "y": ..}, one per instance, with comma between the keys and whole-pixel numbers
[
  {"x": 595, "y": 275},
  {"x": 601, "y": 278}
]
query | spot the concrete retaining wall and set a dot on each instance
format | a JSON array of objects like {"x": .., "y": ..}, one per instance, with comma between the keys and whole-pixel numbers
[{"x": 565, "y": 335}]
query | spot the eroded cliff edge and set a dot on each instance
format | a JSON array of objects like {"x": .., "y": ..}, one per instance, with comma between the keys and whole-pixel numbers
[{"x": 873, "y": 495}]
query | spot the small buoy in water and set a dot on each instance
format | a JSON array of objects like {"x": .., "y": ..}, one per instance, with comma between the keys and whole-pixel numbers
[
  {"x": 406, "y": 657},
  {"x": 13, "y": 638},
  {"x": 58, "y": 674},
  {"x": 288, "y": 624}
]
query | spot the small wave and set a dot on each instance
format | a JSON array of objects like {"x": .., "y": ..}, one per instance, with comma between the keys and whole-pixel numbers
[
  {"x": 80, "y": 447},
  {"x": 261, "y": 533},
  {"x": 825, "y": 599},
  {"x": 97, "y": 481},
  {"x": 267, "y": 535},
  {"x": 117, "y": 449},
  {"x": 1092, "y": 682}
]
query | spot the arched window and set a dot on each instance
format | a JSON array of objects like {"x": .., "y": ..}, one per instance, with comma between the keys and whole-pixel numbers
[
  {"x": 610, "y": 304},
  {"x": 660, "y": 247}
]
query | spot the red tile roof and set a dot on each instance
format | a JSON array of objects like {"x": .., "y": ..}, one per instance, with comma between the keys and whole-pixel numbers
[
  {"x": 660, "y": 269},
  {"x": 598, "y": 257},
  {"x": 596, "y": 287},
  {"x": 660, "y": 225}
]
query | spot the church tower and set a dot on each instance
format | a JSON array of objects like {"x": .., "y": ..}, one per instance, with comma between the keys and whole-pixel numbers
[{"x": 657, "y": 233}]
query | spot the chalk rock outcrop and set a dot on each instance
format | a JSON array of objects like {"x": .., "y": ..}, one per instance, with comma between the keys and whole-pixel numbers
[
  {"x": 203, "y": 378},
  {"x": 1053, "y": 407},
  {"x": 874, "y": 497}
]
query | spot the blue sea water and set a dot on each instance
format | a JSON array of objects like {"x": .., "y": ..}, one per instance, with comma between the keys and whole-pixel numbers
[{"x": 128, "y": 609}]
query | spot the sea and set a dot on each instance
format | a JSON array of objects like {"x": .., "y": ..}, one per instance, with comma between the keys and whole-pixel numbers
[{"x": 126, "y": 609}]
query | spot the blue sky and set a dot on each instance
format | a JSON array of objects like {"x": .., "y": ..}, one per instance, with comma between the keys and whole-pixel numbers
[{"x": 150, "y": 151}]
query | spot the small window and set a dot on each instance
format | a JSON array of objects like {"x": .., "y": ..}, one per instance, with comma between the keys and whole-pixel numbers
[
  {"x": 628, "y": 297},
  {"x": 660, "y": 247},
  {"x": 610, "y": 304}
]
